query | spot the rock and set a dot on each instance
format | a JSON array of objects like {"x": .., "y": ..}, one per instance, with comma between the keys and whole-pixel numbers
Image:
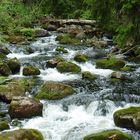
[
  {"x": 128, "y": 118},
  {"x": 110, "y": 63},
  {"x": 31, "y": 70},
  {"x": 53, "y": 62},
  {"x": 2, "y": 56},
  {"x": 128, "y": 68},
  {"x": 137, "y": 50},
  {"x": 41, "y": 32},
  {"x": 68, "y": 67},
  {"x": 54, "y": 91},
  {"x": 51, "y": 27},
  {"x": 81, "y": 36},
  {"x": 67, "y": 39},
  {"x": 29, "y": 50},
  {"x": 34, "y": 32},
  {"x": 61, "y": 50},
  {"x": 88, "y": 76},
  {"x": 96, "y": 42},
  {"x": 3, "y": 79},
  {"x": 24, "y": 107},
  {"x": 4, "y": 50},
  {"x": 14, "y": 88},
  {"x": 4, "y": 69},
  {"x": 109, "y": 135},
  {"x": 117, "y": 75},
  {"x": 14, "y": 65},
  {"x": 4, "y": 125},
  {"x": 81, "y": 58},
  {"x": 22, "y": 134}
]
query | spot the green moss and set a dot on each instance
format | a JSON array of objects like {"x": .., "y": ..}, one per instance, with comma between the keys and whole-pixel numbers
[
  {"x": 54, "y": 91},
  {"x": 68, "y": 67},
  {"x": 127, "y": 117},
  {"x": 109, "y": 135},
  {"x": 110, "y": 63},
  {"x": 126, "y": 68},
  {"x": 4, "y": 125},
  {"x": 67, "y": 39},
  {"x": 81, "y": 58},
  {"x": 31, "y": 70},
  {"x": 22, "y": 134},
  {"x": 61, "y": 49},
  {"x": 29, "y": 32},
  {"x": 88, "y": 76}
]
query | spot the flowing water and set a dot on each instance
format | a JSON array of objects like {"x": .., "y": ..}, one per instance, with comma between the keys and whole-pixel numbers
[{"x": 91, "y": 108}]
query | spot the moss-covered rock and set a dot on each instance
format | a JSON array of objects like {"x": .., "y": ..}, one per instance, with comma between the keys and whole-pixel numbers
[
  {"x": 88, "y": 76},
  {"x": 3, "y": 79},
  {"x": 61, "y": 50},
  {"x": 14, "y": 88},
  {"x": 4, "y": 69},
  {"x": 2, "y": 56},
  {"x": 14, "y": 65},
  {"x": 117, "y": 75},
  {"x": 24, "y": 107},
  {"x": 54, "y": 91},
  {"x": 68, "y": 39},
  {"x": 109, "y": 135},
  {"x": 4, "y": 125},
  {"x": 31, "y": 70},
  {"x": 128, "y": 118},
  {"x": 68, "y": 67},
  {"x": 34, "y": 32},
  {"x": 4, "y": 50},
  {"x": 128, "y": 68},
  {"x": 22, "y": 134},
  {"x": 81, "y": 58},
  {"x": 52, "y": 63},
  {"x": 110, "y": 63},
  {"x": 97, "y": 43}
]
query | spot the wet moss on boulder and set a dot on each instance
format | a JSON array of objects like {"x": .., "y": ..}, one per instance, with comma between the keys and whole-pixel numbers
[
  {"x": 14, "y": 65},
  {"x": 67, "y": 39},
  {"x": 52, "y": 63},
  {"x": 81, "y": 57},
  {"x": 61, "y": 50},
  {"x": 24, "y": 107},
  {"x": 88, "y": 76},
  {"x": 109, "y": 135},
  {"x": 110, "y": 63},
  {"x": 128, "y": 118},
  {"x": 4, "y": 125},
  {"x": 54, "y": 91},
  {"x": 31, "y": 70},
  {"x": 4, "y": 69},
  {"x": 22, "y": 134},
  {"x": 65, "y": 66}
]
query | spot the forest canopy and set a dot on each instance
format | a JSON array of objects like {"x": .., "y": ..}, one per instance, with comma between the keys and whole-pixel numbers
[{"x": 120, "y": 17}]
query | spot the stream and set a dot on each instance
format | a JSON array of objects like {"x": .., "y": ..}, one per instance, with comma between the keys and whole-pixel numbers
[{"x": 91, "y": 108}]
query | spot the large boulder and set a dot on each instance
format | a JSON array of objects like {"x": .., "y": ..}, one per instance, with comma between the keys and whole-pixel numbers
[
  {"x": 14, "y": 88},
  {"x": 110, "y": 63},
  {"x": 31, "y": 70},
  {"x": 54, "y": 91},
  {"x": 4, "y": 50},
  {"x": 4, "y": 125},
  {"x": 128, "y": 118},
  {"x": 51, "y": 27},
  {"x": 4, "y": 69},
  {"x": 68, "y": 67},
  {"x": 14, "y": 65},
  {"x": 24, "y": 107},
  {"x": 52, "y": 63},
  {"x": 109, "y": 135},
  {"x": 67, "y": 39},
  {"x": 22, "y": 134},
  {"x": 81, "y": 57},
  {"x": 88, "y": 76}
]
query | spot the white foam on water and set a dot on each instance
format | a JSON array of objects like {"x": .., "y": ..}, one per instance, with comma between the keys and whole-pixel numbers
[
  {"x": 52, "y": 74},
  {"x": 22, "y": 55},
  {"x": 73, "y": 124},
  {"x": 92, "y": 68},
  {"x": 45, "y": 41}
]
